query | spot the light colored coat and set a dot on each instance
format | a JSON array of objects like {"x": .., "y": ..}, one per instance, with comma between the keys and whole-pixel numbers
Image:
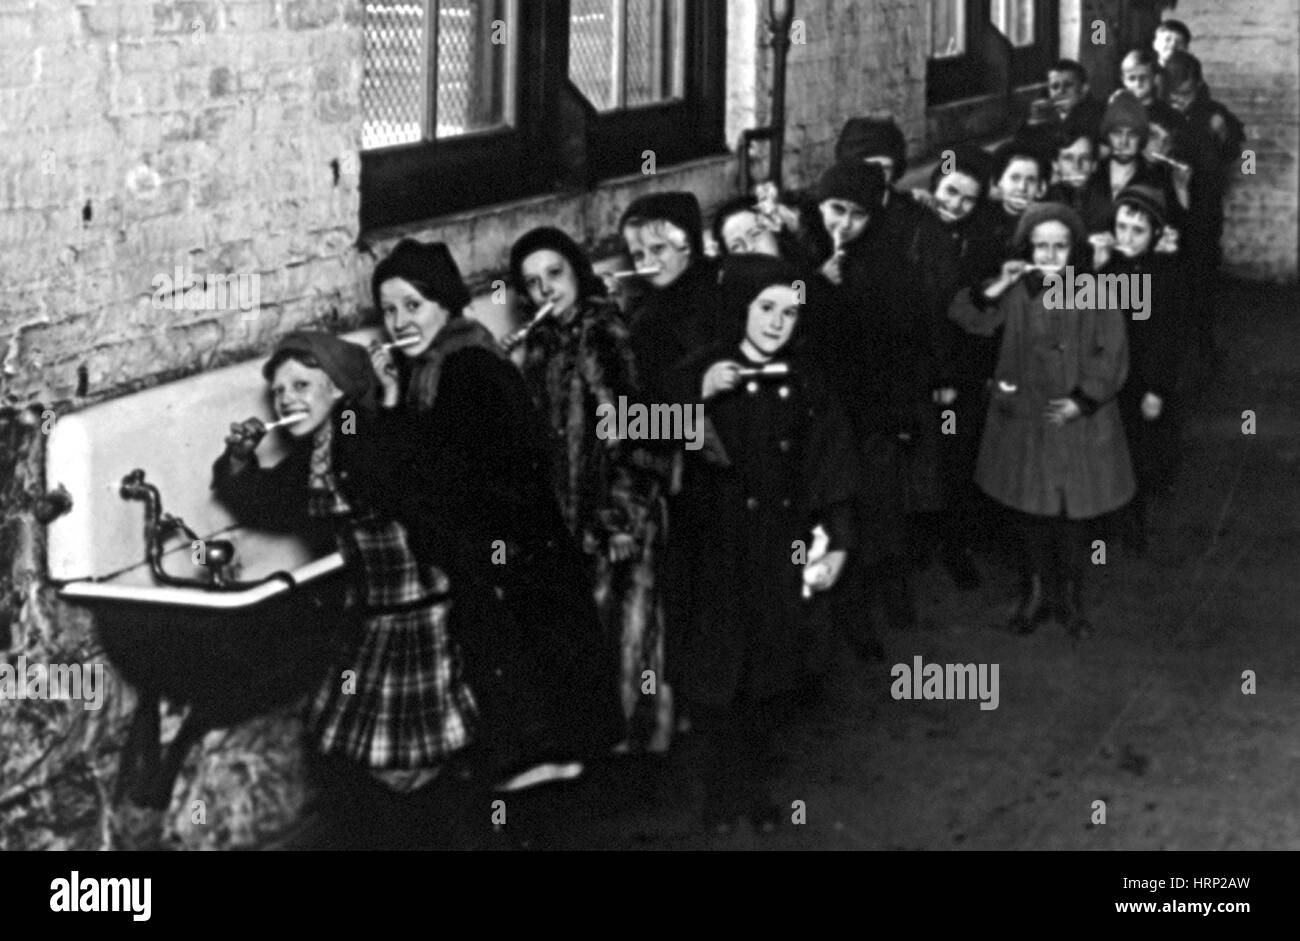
[{"x": 1081, "y": 467}]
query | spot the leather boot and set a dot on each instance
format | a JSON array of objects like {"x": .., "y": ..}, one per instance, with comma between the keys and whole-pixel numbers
[
  {"x": 1074, "y": 613},
  {"x": 1030, "y": 611}
]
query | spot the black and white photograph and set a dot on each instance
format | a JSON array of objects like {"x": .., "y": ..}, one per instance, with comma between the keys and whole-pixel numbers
[{"x": 527, "y": 426}]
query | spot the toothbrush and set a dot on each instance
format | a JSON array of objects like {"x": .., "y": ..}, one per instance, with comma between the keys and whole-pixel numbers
[
  {"x": 760, "y": 372},
  {"x": 409, "y": 341},
  {"x": 287, "y": 420},
  {"x": 637, "y": 272},
  {"x": 512, "y": 340}
]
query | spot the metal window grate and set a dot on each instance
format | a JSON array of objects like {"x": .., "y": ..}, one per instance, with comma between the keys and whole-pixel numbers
[
  {"x": 393, "y": 80},
  {"x": 469, "y": 59},
  {"x": 624, "y": 53},
  {"x": 1015, "y": 20},
  {"x": 947, "y": 28}
]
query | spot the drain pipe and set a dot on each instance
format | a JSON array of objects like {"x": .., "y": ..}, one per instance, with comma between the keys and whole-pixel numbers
[{"x": 780, "y": 17}]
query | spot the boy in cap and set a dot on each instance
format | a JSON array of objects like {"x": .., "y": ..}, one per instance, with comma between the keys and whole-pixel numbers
[{"x": 1071, "y": 102}]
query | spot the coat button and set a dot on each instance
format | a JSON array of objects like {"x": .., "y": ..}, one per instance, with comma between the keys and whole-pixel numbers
[
  {"x": 751, "y": 387},
  {"x": 751, "y": 503},
  {"x": 785, "y": 504},
  {"x": 784, "y": 445},
  {"x": 784, "y": 392}
]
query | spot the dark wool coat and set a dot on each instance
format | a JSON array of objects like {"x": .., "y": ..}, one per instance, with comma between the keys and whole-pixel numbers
[
  {"x": 792, "y": 464},
  {"x": 670, "y": 323},
  {"x": 1098, "y": 203},
  {"x": 470, "y": 482},
  {"x": 879, "y": 337},
  {"x": 1082, "y": 467}
]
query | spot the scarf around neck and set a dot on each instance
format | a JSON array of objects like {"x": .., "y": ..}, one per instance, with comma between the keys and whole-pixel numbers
[{"x": 456, "y": 335}]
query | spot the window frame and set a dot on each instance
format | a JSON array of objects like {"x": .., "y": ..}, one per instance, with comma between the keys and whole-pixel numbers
[
  {"x": 402, "y": 184},
  {"x": 952, "y": 79}
]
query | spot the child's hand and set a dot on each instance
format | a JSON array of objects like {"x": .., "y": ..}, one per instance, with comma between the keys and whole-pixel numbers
[
  {"x": 721, "y": 377},
  {"x": 1103, "y": 243},
  {"x": 1152, "y": 405},
  {"x": 822, "y": 574},
  {"x": 242, "y": 442},
  {"x": 924, "y": 197},
  {"x": 1168, "y": 243},
  {"x": 621, "y": 547},
  {"x": 381, "y": 360},
  {"x": 1060, "y": 411},
  {"x": 944, "y": 396},
  {"x": 832, "y": 270}
]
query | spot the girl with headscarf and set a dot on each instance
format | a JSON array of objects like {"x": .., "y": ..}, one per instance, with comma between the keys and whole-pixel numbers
[
  {"x": 1053, "y": 448},
  {"x": 578, "y": 365},
  {"x": 474, "y": 456},
  {"x": 398, "y": 705},
  {"x": 775, "y": 498}
]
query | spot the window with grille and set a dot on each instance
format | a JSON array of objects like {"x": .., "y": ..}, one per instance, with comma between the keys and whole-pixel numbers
[
  {"x": 625, "y": 53},
  {"x": 435, "y": 69},
  {"x": 467, "y": 103},
  {"x": 1015, "y": 20},
  {"x": 947, "y": 28},
  {"x": 980, "y": 47}
]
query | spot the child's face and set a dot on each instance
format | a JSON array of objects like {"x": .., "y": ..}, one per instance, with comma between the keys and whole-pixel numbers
[
  {"x": 409, "y": 314},
  {"x": 1137, "y": 79},
  {"x": 955, "y": 196},
  {"x": 772, "y": 318},
  {"x": 659, "y": 245},
  {"x": 549, "y": 277},
  {"x": 1133, "y": 232},
  {"x": 1074, "y": 164},
  {"x": 748, "y": 232},
  {"x": 844, "y": 219},
  {"x": 1051, "y": 244},
  {"x": 1065, "y": 90},
  {"x": 1020, "y": 184},
  {"x": 1166, "y": 41},
  {"x": 1181, "y": 98},
  {"x": 1124, "y": 144},
  {"x": 299, "y": 389}
]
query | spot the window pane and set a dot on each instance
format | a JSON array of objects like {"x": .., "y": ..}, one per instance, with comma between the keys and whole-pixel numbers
[
  {"x": 1015, "y": 20},
  {"x": 624, "y": 53},
  {"x": 591, "y": 49},
  {"x": 473, "y": 66},
  {"x": 393, "y": 78},
  {"x": 947, "y": 28}
]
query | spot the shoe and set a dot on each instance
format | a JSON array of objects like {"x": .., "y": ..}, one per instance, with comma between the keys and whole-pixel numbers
[
  {"x": 1031, "y": 611},
  {"x": 961, "y": 567},
  {"x": 1073, "y": 614}
]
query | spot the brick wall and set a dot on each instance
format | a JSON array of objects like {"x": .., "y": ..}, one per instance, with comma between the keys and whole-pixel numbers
[
  {"x": 859, "y": 59},
  {"x": 1250, "y": 50}
]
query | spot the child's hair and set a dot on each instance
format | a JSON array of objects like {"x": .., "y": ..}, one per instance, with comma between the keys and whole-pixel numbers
[
  {"x": 1022, "y": 149},
  {"x": 1139, "y": 56},
  {"x": 1181, "y": 67},
  {"x": 968, "y": 159},
  {"x": 732, "y": 207},
  {"x": 1067, "y": 135},
  {"x": 669, "y": 231},
  {"x": 279, "y": 359},
  {"x": 1069, "y": 65},
  {"x": 1176, "y": 26},
  {"x": 1148, "y": 206}
]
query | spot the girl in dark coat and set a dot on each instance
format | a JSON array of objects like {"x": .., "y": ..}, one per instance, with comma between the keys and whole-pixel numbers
[
  {"x": 398, "y": 703},
  {"x": 786, "y": 465},
  {"x": 578, "y": 363},
  {"x": 1157, "y": 337},
  {"x": 474, "y": 456},
  {"x": 1053, "y": 447}
]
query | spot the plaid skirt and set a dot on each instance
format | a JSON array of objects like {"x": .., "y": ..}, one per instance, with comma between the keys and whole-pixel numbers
[{"x": 401, "y": 700}]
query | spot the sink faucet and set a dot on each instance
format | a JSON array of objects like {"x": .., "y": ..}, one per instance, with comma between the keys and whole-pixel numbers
[{"x": 160, "y": 526}]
